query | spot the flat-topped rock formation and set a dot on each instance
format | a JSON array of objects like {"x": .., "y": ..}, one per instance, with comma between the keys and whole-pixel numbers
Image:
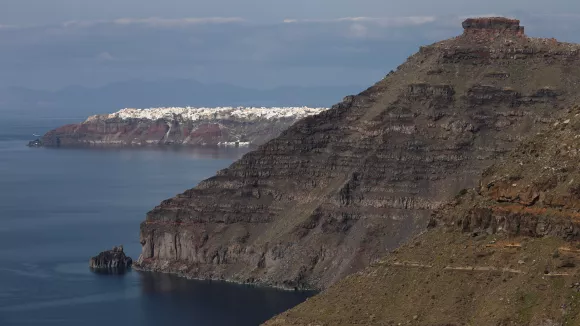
[
  {"x": 185, "y": 126},
  {"x": 504, "y": 253},
  {"x": 111, "y": 259},
  {"x": 340, "y": 189},
  {"x": 493, "y": 25}
]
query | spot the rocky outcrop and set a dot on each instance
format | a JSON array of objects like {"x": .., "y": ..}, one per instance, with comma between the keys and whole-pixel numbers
[
  {"x": 338, "y": 190},
  {"x": 239, "y": 127},
  {"x": 111, "y": 259},
  {"x": 493, "y": 25},
  {"x": 35, "y": 143}
]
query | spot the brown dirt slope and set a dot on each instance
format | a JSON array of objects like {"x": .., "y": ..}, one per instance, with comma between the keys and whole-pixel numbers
[
  {"x": 451, "y": 278},
  {"x": 506, "y": 253},
  {"x": 336, "y": 191}
]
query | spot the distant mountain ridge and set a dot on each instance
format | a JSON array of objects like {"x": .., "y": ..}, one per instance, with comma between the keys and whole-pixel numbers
[
  {"x": 83, "y": 101},
  {"x": 187, "y": 126}
]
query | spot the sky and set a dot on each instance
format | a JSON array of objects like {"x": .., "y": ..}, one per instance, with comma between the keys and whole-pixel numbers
[
  {"x": 29, "y": 12},
  {"x": 51, "y": 44}
]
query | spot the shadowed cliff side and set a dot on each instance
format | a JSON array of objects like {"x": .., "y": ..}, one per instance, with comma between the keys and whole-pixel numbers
[
  {"x": 338, "y": 190},
  {"x": 505, "y": 253}
]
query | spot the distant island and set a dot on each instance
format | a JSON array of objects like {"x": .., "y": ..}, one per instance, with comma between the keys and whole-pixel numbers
[{"x": 188, "y": 126}]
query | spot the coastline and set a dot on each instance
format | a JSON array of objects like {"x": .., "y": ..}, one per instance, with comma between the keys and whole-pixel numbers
[
  {"x": 157, "y": 146},
  {"x": 138, "y": 267},
  {"x": 188, "y": 126}
]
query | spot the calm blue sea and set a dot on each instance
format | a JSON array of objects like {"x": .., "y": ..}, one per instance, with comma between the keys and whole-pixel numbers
[{"x": 58, "y": 207}]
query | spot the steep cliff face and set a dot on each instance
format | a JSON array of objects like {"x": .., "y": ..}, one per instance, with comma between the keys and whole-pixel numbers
[
  {"x": 505, "y": 253},
  {"x": 178, "y": 126},
  {"x": 338, "y": 190}
]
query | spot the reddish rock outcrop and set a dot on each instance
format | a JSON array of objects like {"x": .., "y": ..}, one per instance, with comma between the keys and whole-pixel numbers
[
  {"x": 187, "y": 127},
  {"x": 143, "y": 132},
  {"x": 492, "y": 26}
]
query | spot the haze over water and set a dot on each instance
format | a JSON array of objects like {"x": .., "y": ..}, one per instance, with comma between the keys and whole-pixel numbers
[{"x": 58, "y": 207}]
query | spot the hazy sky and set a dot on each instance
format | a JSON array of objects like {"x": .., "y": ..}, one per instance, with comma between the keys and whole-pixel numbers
[
  {"x": 50, "y": 44},
  {"x": 18, "y": 12}
]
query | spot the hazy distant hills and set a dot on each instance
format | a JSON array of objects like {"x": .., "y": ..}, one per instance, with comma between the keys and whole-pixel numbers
[{"x": 82, "y": 101}]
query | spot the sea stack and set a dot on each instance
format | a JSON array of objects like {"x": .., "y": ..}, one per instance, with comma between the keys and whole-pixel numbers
[
  {"x": 111, "y": 259},
  {"x": 338, "y": 190}
]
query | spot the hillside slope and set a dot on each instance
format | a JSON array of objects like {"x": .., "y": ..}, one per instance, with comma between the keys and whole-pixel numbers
[
  {"x": 506, "y": 253},
  {"x": 338, "y": 190}
]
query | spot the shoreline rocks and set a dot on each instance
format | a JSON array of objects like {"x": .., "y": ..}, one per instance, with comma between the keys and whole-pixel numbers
[
  {"x": 111, "y": 259},
  {"x": 35, "y": 143}
]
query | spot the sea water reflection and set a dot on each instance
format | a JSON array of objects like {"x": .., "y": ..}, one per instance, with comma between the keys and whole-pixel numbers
[{"x": 58, "y": 207}]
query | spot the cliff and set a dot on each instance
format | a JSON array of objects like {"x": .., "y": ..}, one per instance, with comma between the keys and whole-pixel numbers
[
  {"x": 504, "y": 253},
  {"x": 224, "y": 126},
  {"x": 338, "y": 190}
]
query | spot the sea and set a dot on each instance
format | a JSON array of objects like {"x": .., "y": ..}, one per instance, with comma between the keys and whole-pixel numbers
[{"x": 59, "y": 207}]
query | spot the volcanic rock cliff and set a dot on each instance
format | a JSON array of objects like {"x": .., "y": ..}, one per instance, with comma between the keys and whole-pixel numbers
[
  {"x": 227, "y": 126},
  {"x": 338, "y": 190},
  {"x": 505, "y": 253}
]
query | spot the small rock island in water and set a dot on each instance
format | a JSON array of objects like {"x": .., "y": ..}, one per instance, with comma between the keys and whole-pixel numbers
[{"x": 114, "y": 259}]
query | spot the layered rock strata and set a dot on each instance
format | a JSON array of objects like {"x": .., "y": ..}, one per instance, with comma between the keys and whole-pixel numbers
[
  {"x": 504, "y": 253},
  {"x": 227, "y": 126},
  {"x": 337, "y": 190}
]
